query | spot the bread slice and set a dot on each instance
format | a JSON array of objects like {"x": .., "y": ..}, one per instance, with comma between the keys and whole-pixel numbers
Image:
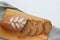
[{"x": 33, "y": 26}]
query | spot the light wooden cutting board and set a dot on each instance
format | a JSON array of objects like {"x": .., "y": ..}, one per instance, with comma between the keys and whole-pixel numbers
[{"x": 17, "y": 36}]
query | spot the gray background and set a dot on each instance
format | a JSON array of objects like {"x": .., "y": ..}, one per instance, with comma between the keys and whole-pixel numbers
[{"x": 49, "y": 9}]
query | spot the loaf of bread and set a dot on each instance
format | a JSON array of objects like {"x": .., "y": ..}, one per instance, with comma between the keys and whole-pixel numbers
[{"x": 22, "y": 24}]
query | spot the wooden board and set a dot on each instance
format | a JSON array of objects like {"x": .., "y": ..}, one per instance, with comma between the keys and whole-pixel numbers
[{"x": 17, "y": 36}]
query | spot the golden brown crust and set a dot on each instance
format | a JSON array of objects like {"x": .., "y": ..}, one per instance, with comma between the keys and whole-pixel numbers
[
  {"x": 5, "y": 25},
  {"x": 13, "y": 24}
]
